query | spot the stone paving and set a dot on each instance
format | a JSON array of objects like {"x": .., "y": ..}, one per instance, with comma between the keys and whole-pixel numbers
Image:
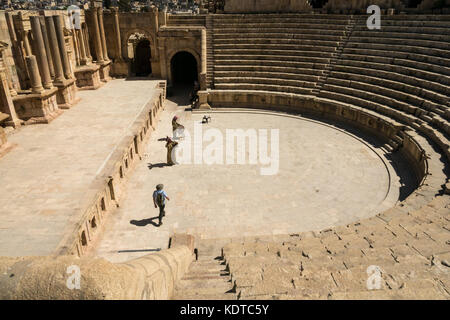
[
  {"x": 45, "y": 177},
  {"x": 326, "y": 177}
]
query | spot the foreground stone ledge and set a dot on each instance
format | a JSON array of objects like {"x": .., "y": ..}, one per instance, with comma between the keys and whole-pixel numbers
[{"x": 45, "y": 278}]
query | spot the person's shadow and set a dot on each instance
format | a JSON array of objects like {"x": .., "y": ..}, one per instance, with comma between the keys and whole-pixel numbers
[
  {"x": 144, "y": 222},
  {"x": 156, "y": 165}
]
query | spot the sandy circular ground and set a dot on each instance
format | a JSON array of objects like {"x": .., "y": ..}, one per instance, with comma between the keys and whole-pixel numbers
[{"x": 325, "y": 177}]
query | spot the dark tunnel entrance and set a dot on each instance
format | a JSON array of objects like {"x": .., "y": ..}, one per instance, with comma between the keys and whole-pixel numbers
[{"x": 184, "y": 68}]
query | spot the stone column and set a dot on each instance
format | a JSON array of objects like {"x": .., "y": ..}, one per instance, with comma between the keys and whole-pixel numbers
[
  {"x": 97, "y": 38},
  {"x": 83, "y": 58},
  {"x": 26, "y": 43},
  {"x": 54, "y": 48},
  {"x": 76, "y": 47},
  {"x": 40, "y": 52},
  {"x": 47, "y": 46},
  {"x": 102, "y": 33},
  {"x": 58, "y": 22},
  {"x": 6, "y": 103},
  {"x": 35, "y": 78},
  {"x": 117, "y": 32},
  {"x": 86, "y": 43},
  {"x": 203, "y": 61}
]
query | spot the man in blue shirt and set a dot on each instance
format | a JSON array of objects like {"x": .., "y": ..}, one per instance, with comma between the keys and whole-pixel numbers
[{"x": 159, "y": 200}]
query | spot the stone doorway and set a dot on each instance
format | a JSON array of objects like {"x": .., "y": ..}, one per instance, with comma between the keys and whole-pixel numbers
[
  {"x": 184, "y": 68},
  {"x": 139, "y": 55}
]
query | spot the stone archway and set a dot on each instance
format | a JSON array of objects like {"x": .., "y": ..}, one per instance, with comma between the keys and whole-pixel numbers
[
  {"x": 183, "y": 68},
  {"x": 138, "y": 50},
  {"x": 138, "y": 54},
  {"x": 142, "y": 56}
]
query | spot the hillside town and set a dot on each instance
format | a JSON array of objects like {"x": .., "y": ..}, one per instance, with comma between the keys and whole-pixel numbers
[{"x": 172, "y": 6}]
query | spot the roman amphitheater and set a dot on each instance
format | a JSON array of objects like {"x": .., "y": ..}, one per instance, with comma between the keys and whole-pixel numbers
[{"x": 359, "y": 207}]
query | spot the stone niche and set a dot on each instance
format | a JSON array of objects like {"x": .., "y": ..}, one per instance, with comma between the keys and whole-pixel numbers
[{"x": 261, "y": 6}]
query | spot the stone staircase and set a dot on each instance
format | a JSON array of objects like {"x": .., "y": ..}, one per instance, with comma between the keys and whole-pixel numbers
[
  {"x": 336, "y": 56},
  {"x": 395, "y": 255},
  {"x": 207, "y": 277},
  {"x": 279, "y": 53},
  {"x": 401, "y": 71}
]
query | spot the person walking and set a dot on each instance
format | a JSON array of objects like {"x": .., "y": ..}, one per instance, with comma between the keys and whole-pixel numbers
[{"x": 159, "y": 200}]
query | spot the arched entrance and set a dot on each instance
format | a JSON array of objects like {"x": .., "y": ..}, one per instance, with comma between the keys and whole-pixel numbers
[
  {"x": 183, "y": 67},
  {"x": 139, "y": 55},
  {"x": 142, "y": 58}
]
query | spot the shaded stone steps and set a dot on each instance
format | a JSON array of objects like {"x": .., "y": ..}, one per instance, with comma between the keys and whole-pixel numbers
[
  {"x": 288, "y": 53},
  {"x": 270, "y": 41},
  {"x": 219, "y": 36},
  {"x": 417, "y": 17},
  {"x": 243, "y": 30},
  {"x": 406, "y": 102},
  {"x": 400, "y": 48},
  {"x": 427, "y": 99},
  {"x": 242, "y": 76},
  {"x": 272, "y": 46},
  {"x": 416, "y": 24},
  {"x": 292, "y": 61},
  {"x": 407, "y": 29},
  {"x": 263, "y": 87},
  {"x": 443, "y": 45},
  {"x": 362, "y": 53},
  {"x": 256, "y": 19},
  {"x": 275, "y": 69},
  {"x": 434, "y": 81},
  {"x": 258, "y": 80},
  {"x": 436, "y": 66},
  {"x": 411, "y": 34},
  {"x": 345, "y": 95}
]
